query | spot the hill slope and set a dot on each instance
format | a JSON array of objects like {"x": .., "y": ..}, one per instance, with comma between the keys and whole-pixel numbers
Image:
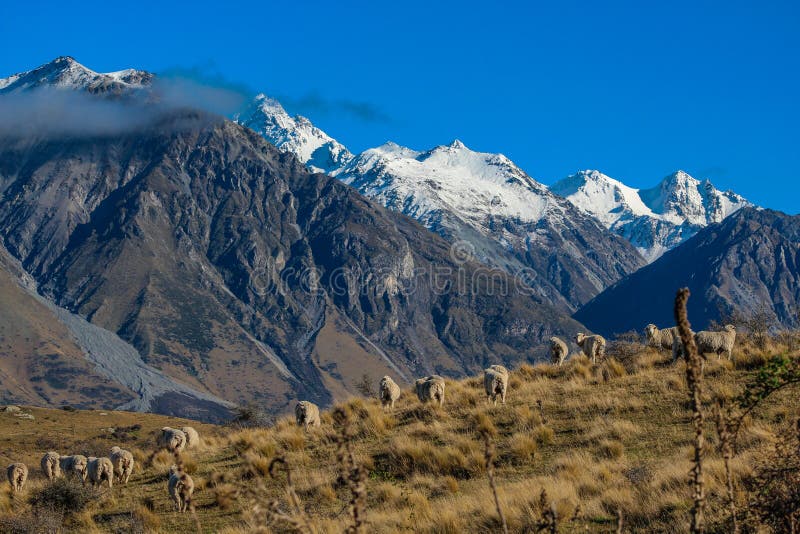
[
  {"x": 607, "y": 438},
  {"x": 746, "y": 264}
]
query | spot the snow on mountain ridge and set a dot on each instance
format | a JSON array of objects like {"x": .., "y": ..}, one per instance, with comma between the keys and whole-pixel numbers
[
  {"x": 469, "y": 184},
  {"x": 655, "y": 219},
  {"x": 66, "y": 73},
  {"x": 313, "y": 147}
]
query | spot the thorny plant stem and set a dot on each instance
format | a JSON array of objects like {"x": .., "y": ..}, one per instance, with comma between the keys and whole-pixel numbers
[{"x": 694, "y": 379}]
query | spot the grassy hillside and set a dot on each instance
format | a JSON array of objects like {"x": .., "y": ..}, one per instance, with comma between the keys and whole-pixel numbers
[{"x": 600, "y": 440}]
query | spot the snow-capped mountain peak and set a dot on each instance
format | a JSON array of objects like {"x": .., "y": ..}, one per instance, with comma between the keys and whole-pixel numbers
[
  {"x": 66, "y": 73},
  {"x": 654, "y": 219},
  {"x": 473, "y": 185},
  {"x": 313, "y": 147}
]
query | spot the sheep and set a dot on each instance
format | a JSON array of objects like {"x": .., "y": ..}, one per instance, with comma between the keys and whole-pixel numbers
[
  {"x": 716, "y": 342},
  {"x": 172, "y": 439},
  {"x": 558, "y": 351},
  {"x": 123, "y": 462},
  {"x": 593, "y": 346},
  {"x": 192, "y": 437},
  {"x": 495, "y": 381},
  {"x": 388, "y": 392},
  {"x": 660, "y": 339},
  {"x": 100, "y": 469},
  {"x": 50, "y": 465},
  {"x": 181, "y": 487},
  {"x": 307, "y": 414},
  {"x": 430, "y": 388},
  {"x": 74, "y": 465},
  {"x": 17, "y": 475}
]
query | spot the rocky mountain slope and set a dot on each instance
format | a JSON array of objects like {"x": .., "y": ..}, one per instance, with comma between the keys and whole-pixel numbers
[
  {"x": 748, "y": 263},
  {"x": 231, "y": 269},
  {"x": 653, "y": 220},
  {"x": 500, "y": 213}
]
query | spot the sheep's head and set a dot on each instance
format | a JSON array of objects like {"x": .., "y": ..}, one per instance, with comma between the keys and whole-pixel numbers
[
  {"x": 650, "y": 330},
  {"x": 730, "y": 328},
  {"x": 115, "y": 450},
  {"x": 579, "y": 337}
]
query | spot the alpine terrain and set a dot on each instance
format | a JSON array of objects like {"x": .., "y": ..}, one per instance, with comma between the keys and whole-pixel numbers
[
  {"x": 653, "y": 220},
  {"x": 237, "y": 276},
  {"x": 483, "y": 202}
]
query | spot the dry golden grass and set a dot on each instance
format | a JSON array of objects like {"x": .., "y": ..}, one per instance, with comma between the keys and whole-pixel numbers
[{"x": 598, "y": 439}]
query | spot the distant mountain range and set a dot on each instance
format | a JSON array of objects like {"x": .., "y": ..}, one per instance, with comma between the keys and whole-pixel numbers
[
  {"x": 505, "y": 217},
  {"x": 438, "y": 189}
]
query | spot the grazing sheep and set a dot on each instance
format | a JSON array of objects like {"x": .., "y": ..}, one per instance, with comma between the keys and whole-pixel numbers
[
  {"x": 593, "y": 346},
  {"x": 558, "y": 351},
  {"x": 430, "y": 388},
  {"x": 716, "y": 342},
  {"x": 50, "y": 465},
  {"x": 388, "y": 391},
  {"x": 100, "y": 469},
  {"x": 181, "y": 487},
  {"x": 17, "y": 475},
  {"x": 192, "y": 437},
  {"x": 74, "y": 465},
  {"x": 661, "y": 339},
  {"x": 123, "y": 462},
  {"x": 307, "y": 414},
  {"x": 172, "y": 439},
  {"x": 495, "y": 381}
]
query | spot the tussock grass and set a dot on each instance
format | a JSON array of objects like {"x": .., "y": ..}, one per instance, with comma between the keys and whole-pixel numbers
[{"x": 596, "y": 438}]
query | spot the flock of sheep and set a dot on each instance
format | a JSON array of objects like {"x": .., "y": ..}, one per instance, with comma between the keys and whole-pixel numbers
[
  {"x": 119, "y": 463},
  {"x": 495, "y": 378}
]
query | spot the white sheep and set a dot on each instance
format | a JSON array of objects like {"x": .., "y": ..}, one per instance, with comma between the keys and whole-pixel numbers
[
  {"x": 388, "y": 392},
  {"x": 50, "y": 465},
  {"x": 123, "y": 463},
  {"x": 430, "y": 388},
  {"x": 495, "y": 381},
  {"x": 100, "y": 469},
  {"x": 307, "y": 414},
  {"x": 593, "y": 346},
  {"x": 558, "y": 351},
  {"x": 181, "y": 487},
  {"x": 17, "y": 475},
  {"x": 172, "y": 439},
  {"x": 192, "y": 437},
  {"x": 74, "y": 465},
  {"x": 716, "y": 342},
  {"x": 661, "y": 339}
]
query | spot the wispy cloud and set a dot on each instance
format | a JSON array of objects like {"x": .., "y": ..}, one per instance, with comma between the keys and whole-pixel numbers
[
  {"x": 314, "y": 104},
  {"x": 48, "y": 112}
]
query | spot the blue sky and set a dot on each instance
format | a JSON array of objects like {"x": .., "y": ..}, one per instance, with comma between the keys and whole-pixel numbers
[{"x": 634, "y": 89}]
